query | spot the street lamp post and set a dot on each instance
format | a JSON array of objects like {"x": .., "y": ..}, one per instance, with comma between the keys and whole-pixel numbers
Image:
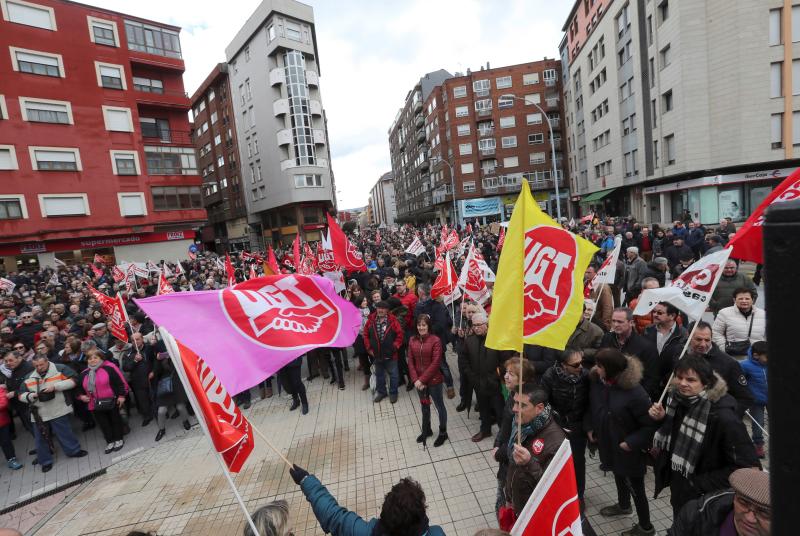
[
  {"x": 437, "y": 160},
  {"x": 552, "y": 148}
]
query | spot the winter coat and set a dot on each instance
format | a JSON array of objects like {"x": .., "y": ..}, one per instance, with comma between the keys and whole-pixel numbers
[
  {"x": 634, "y": 273},
  {"x": 731, "y": 326},
  {"x": 539, "y": 357},
  {"x": 62, "y": 379},
  {"x": 726, "y": 447},
  {"x": 138, "y": 371},
  {"x": 440, "y": 318},
  {"x": 481, "y": 364},
  {"x": 108, "y": 384},
  {"x": 604, "y": 305},
  {"x": 652, "y": 271},
  {"x": 409, "y": 299},
  {"x": 586, "y": 338},
  {"x": 756, "y": 374},
  {"x": 731, "y": 372},
  {"x": 674, "y": 254},
  {"x": 162, "y": 369},
  {"x": 570, "y": 401},
  {"x": 696, "y": 237},
  {"x": 337, "y": 520},
  {"x": 705, "y": 515},
  {"x": 501, "y": 440},
  {"x": 670, "y": 352},
  {"x": 425, "y": 359},
  {"x": 5, "y": 410},
  {"x": 645, "y": 351},
  {"x": 521, "y": 480},
  {"x": 618, "y": 412},
  {"x": 723, "y": 294},
  {"x": 386, "y": 347}
]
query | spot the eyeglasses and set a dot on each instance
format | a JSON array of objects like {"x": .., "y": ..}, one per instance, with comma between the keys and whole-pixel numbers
[
  {"x": 575, "y": 365},
  {"x": 761, "y": 512},
  {"x": 20, "y": 347}
]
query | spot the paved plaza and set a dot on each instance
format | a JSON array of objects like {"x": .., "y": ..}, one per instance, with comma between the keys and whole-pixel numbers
[{"x": 358, "y": 450}]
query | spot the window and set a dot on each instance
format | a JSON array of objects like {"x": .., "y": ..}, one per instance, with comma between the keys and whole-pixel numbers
[
  {"x": 125, "y": 162},
  {"x": 252, "y": 117},
  {"x": 795, "y": 24},
  {"x": 665, "y": 56},
  {"x": 486, "y": 145},
  {"x": 220, "y": 161},
  {"x": 529, "y": 79},
  {"x": 46, "y": 111},
  {"x": 8, "y": 157},
  {"x": 467, "y": 168},
  {"x": 623, "y": 21},
  {"x": 293, "y": 33},
  {"x": 148, "y": 85},
  {"x": 64, "y": 205},
  {"x": 176, "y": 197},
  {"x": 55, "y": 159},
  {"x": 666, "y": 101},
  {"x": 630, "y": 164},
  {"x": 663, "y": 11},
  {"x": 502, "y": 82},
  {"x": 483, "y": 105},
  {"x": 12, "y": 207},
  {"x": 459, "y": 91},
  {"x": 155, "y": 128},
  {"x": 549, "y": 74},
  {"x": 29, "y": 14},
  {"x": 669, "y": 149},
  {"x": 534, "y": 119},
  {"x": 795, "y": 128},
  {"x": 654, "y": 112},
  {"x": 505, "y": 102},
  {"x": 110, "y": 76},
  {"x": 213, "y": 117},
  {"x": 34, "y": 62},
  {"x": 776, "y": 129},
  {"x": 255, "y": 145},
  {"x": 649, "y": 30},
  {"x": 246, "y": 53},
  {"x": 534, "y": 139},
  {"x": 508, "y": 141},
  {"x": 271, "y": 32},
  {"x": 118, "y": 119},
  {"x": 217, "y": 139},
  {"x": 508, "y": 121},
  {"x": 308, "y": 181},
  {"x": 152, "y": 39},
  {"x": 535, "y": 98},
  {"x": 248, "y": 89},
  {"x": 652, "y": 72},
  {"x": 463, "y": 130},
  {"x": 103, "y": 32},
  {"x": 511, "y": 162},
  {"x": 776, "y": 79},
  {"x": 537, "y": 158},
  {"x": 775, "y": 27},
  {"x": 465, "y": 148},
  {"x": 481, "y": 87},
  {"x": 170, "y": 160},
  {"x": 132, "y": 204}
]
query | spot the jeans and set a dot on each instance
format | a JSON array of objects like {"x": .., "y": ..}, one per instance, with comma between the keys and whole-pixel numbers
[
  {"x": 5, "y": 442},
  {"x": 61, "y": 429},
  {"x": 627, "y": 486},
  {"x": 436, "y": 395},
  {"x": 445, "y": 368},
  {"x": 757, "y": 412},
  {"x": 390, "y": 366}
]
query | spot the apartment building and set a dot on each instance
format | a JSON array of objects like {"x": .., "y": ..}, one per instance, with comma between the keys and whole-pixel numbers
[
  {"x": 217, "y": 148},
  {"x": 382, "y": 209},
  {"x": 280, "y": 123},
  {"x": 679, "y": 109},
  {"x": 95, "y": 153}
]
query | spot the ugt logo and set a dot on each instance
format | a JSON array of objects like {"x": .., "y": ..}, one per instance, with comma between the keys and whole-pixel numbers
[
  {"x": 287, "y": 313},
  {"x": 550, "y": 254}
]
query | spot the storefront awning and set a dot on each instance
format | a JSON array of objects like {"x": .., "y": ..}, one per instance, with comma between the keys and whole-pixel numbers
[{"x": 596, "y": 196}]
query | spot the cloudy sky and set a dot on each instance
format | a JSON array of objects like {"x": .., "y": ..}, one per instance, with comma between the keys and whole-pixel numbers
[{"x": 371, "y": 54}]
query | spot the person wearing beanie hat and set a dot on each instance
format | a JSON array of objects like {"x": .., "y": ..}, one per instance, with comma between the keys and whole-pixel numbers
[{"x": 743, "y": 510}]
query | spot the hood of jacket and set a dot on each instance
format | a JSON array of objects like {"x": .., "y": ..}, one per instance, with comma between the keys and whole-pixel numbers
[{"x": 628, "y": 378}]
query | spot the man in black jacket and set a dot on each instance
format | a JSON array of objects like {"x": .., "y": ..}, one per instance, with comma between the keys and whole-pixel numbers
[
  {"x": 624, "y": 338},
  {"x": 669, "y": 338},
  {"x": 136, "y": 363}
]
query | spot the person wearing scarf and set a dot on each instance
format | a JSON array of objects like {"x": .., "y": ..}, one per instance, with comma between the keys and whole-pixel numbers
[
  {"x": 539, "y": 439},
  {"x": 103, "y": 381},
  {"x": 701, "y": 441}
]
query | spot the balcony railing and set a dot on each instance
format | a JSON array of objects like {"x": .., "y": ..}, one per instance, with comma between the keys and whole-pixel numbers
[
  {"x": 552, "y": 102},
  {"x": 550, "y": 82},
  {"x": 487, "y": 151},
  {"x": 175, "y": 137},
  {"x": 485, "y": 132},
  {"x": 484, "y": 112}
]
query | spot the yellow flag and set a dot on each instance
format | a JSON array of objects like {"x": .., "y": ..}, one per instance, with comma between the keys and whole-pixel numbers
[{"x": 538, "y": 295}]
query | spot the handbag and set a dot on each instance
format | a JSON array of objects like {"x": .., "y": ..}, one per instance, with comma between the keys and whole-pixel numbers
[
  {"x": 104, "y": 404},
  {"x": 164, "y": 386},
  {"x": 741, "y": 347}
]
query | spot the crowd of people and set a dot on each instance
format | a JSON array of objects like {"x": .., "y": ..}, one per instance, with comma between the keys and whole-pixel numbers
[{"x": 62, "y": 369}]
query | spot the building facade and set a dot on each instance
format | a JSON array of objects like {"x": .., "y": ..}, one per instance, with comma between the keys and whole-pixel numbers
[
  {"x": 217, "y": 150},
  {"x": 382, "y": 208},
  {"x": 280, "y": 123},
  {"x": 671, "y": 114},
  {"x": 95, "y": 152}
]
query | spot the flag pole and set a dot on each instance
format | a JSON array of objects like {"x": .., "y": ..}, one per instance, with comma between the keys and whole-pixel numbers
[
  {"x": 174, "y": 354},
  {"x": 599, "y": 295},
  {"x": 753, "y": 421},
  {"x": 270, "y": 445},
  {"x": 683, "y": 352},
  {"x": 519, "y": 415}
]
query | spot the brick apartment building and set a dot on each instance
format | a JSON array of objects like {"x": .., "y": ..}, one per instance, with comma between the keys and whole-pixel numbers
[
  {"x": 217, "y": 148},
  {"x": 95, "y": 153}
]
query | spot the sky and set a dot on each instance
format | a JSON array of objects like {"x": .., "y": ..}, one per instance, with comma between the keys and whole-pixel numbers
[{"x": 371, "y": 54}]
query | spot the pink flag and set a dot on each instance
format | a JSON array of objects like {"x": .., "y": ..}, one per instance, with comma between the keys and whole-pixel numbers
[
  {"x": 248, "y": 332},
  {"x": 97, "y": 271}
]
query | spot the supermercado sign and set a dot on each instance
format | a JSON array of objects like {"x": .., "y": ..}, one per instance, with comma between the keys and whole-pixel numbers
[{"x": 27, "y": 248}]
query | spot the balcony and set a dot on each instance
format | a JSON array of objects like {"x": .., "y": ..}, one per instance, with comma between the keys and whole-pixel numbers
[
  {"x": 165, "y": 99},
  {"x": 488, "y": 172},
  {"x": 316, "y": 107},
  {"x": 486, "y": 152},
  {"x": 551, "y": 102},
  {"x": 280, "y": 107},
  {"x": 425, "y": 164},
  {"x": 312, "y": 78},
  {"x": 153, "y": 60},
  {"x": 550, "y": 82},
  {"x": 483, "y": 132},
  {"x": 542, "y": 180},
  {"x": 421, "y": 135},
  {"x": 284, "y": 137},
  {"x": 151, "y": 135},
  {"x": 485, "y": 112},
  {"x": 417, "y": 104},
  {"x": 319, "y": 136},
  {"x": 555, "y": 122},
  {"x": 276, "y": 76},
  {"x": 419, "y": 120}
]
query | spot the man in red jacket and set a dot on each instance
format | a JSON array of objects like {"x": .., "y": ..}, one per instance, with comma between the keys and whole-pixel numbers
[{"x": 383, "y": 337}]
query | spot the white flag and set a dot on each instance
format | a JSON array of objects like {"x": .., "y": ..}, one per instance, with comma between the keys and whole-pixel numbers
[
  {"x": 59, "y": 263},
  {"x": 179, "y": 268},
  {"x": 167, "y": 272},
  {"x": 54, "y": 282},
  {"x": 691, "y": 291},
  {"x": 416, "y": 248},
  {"x": 337, "y": 278},
  {"x": 7, "y": 285},
  {"x": 153, "y": 267},
  {"x": 472, "y": 280},
  {"x": 608, "y": 271}
]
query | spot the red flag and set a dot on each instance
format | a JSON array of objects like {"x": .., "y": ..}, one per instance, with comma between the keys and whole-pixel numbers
[
  {"x": 296, "y": 257},
  {"x": 114, "y": 309},
  {"x": 98, "y": 258},
  {"x": 117, "y": 274},
  {"x": 97, "y": 271},
  {"x": 501, "y": 239},
  {"x": 748, "y": 242},
  {"x": 273, "y": 262},
  {"x": 288, "y": 260},
  {"x": 553, "y": 506},
  {"x": 325, "y": 260},
  {"x": 230, "y": 271},
  {"x": 346, "y": 255},
  {"x": 229, "y": 430},
  {"x": 252, "y": 272},
  {"x": 378, "y": 237},
  {"x": 310, "y": 258},
  {"x": 447, "y": 281},
  {"x": 163, "y": 286}
]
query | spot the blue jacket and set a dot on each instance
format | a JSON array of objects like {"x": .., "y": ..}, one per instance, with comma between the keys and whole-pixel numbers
[
  {"x": 756, "y": 375},
  {"x": 337, "y": 520}
]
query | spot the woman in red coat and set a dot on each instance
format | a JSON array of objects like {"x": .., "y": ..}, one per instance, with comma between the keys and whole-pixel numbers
[{"x": 424, "y": 358}]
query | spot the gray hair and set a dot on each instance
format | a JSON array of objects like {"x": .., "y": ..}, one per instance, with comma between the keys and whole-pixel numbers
[
  {"x": 480, "y": 318},
  {"x": 271, "y": 520}
]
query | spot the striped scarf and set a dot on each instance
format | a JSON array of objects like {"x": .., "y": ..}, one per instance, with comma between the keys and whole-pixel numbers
[{"x": 687, "y": 445}]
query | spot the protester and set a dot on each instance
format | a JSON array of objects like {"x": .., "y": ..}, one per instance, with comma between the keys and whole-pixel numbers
[
  {"x": 425, "y": 355},
  {"x": 755, "y": 370},
  {"x": 169, "y": 393},
  {"x": 624, "y": 338},
  {"x": 103, "y": 388},
  {"x": 383, "y": 337},
  {"x": 587, "y": 336},
  {"x": 5, "y": 431},
  {"x": 669, "y": 339},
  {"x": 601, "y": 297},
  {"x": 730, "y": 280},
  {"x": 137, "y": 363},
  {"x": 738, "y": 326}
]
